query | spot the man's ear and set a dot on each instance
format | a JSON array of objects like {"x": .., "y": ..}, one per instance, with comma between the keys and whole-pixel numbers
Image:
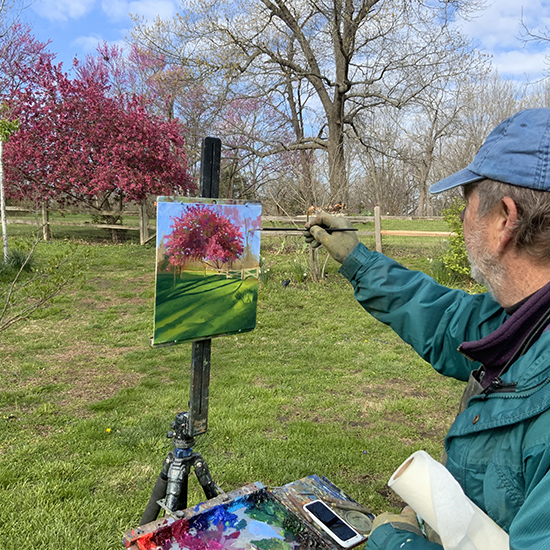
[{"x": 507, "y": 218}]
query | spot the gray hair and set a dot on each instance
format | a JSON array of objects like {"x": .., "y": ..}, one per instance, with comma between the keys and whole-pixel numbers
[{"x": 532, "y": 229}]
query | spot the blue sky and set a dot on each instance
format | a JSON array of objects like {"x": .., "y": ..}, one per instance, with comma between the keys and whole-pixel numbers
[{"x": 76, "y": 26}]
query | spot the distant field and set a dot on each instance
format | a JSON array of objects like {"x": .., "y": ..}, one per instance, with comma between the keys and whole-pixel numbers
[{"x": 133, "y": 220}]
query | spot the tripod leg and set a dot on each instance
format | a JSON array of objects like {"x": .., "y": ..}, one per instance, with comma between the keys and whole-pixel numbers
[
  {"x": 210, "y": 489},
  {"x": 176, "y": 490},
  {"x": 184, "y": 488},
  {"x": 152, "y": 509}
]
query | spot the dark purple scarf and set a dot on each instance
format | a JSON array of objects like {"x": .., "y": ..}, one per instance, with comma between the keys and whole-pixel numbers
[{"x": 495, "y": 350}]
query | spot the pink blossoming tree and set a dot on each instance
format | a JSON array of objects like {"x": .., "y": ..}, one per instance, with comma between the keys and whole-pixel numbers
[
  {"x": 200, "y": 233},
  {"x": 77, "y": 143}
]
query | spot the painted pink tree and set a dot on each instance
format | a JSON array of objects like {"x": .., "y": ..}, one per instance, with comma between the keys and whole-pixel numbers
[{"x": 203, "y": 234}]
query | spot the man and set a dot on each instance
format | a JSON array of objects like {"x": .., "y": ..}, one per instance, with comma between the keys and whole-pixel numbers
[{"x": 498, "y": 447}]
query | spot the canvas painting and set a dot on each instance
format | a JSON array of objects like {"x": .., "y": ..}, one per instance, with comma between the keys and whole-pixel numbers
[{"x": 208, "y": 253}]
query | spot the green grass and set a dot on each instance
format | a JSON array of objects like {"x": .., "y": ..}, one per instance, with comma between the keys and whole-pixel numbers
[{"x": 318, "y": 387}]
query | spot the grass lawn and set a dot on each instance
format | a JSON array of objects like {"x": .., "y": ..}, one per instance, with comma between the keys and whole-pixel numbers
[{"x": 318, "y": 387}]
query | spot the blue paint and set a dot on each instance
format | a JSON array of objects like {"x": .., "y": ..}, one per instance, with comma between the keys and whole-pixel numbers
[
  {"x": 262, "y": 530},
  {"x": 182, "y": 453}
]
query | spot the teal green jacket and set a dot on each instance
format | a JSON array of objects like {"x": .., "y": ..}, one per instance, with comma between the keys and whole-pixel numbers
[{"x": 499, "y": 447}]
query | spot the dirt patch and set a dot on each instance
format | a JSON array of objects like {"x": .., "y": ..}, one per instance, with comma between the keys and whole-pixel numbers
[
  {"x": 90, "y": 385},
  {"x": 391, "y": 497}
]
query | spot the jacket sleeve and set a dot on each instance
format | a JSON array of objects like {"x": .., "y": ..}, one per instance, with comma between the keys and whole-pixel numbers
[
  {"x": 387, "y": 537},
  {"x": 430, "y": 317}
]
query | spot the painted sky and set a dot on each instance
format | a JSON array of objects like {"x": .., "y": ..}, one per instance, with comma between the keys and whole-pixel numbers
[
  {"x": 169, "y": 210},
  {"x": 76, "y": 26}
]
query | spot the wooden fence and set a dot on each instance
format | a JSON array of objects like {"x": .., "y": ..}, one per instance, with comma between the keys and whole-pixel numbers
[
  {"x": 43, "y": 221},
  {"x": 378, "y": 232},
  {"x": 147, "y": 231}
]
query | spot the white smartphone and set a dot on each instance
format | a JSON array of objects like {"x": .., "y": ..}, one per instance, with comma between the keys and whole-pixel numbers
[{"x": 330, "y": 522}]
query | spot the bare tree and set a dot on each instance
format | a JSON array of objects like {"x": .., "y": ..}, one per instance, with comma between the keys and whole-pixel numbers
[
  {"x": 484, "y": 102},
  {"x": 336, "y": 58},
  {"x": 384, "y": 175},
  {"x": 436, "y": 115}
]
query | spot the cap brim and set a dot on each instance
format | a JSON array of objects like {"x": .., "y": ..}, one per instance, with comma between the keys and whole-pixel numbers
[{"x": 461, "y": 177}]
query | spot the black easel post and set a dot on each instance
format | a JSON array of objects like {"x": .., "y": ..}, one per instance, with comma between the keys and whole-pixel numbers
[
  {"x": 170, "y": 491},
  {"x": 200, "y": 358}
]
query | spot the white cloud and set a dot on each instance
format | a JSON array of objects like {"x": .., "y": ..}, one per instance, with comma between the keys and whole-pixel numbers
[
  {"x": 522, "y": 64},
  {"x": 88, "y": 44},
  {"x": 62, "y": 10},
  {"x": 148, "y": 9},
  {"x": 498, "y": 30}
]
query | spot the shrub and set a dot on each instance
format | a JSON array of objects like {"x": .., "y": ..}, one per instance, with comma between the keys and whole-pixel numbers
[
  {"x": 21, "y": 294},
  {"x": 454, "y": 257}
]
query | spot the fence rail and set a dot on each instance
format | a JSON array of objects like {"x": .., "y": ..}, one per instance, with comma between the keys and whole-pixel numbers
[
  {"x": 147, "y": 231},
  {"x": 376, "y": 218},
  {"x": 42, "y": 220}
]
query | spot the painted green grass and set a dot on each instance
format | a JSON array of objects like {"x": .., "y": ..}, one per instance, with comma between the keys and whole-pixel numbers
[
  {"x": 197, "y": 305},
  {"x": 318, "y": 387}
]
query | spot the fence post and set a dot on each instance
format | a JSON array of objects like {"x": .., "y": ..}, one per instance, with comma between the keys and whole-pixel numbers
[
  {"x": 143, "y": 223},
  {"x": 378, "y": 229},
  {"x": 46, "y": 233}
]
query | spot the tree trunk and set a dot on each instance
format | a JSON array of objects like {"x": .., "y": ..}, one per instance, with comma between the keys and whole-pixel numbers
[
  {"x": 3, "y": 204},
  {"x": 339, "y": 191},
  {"x": 143, "y": 222},
  {"x": 117, "y": 235},
  {"x": 424, "y": 208},
  {"x": 296, "y": 110},
  {"x": 46, "y": 233}
]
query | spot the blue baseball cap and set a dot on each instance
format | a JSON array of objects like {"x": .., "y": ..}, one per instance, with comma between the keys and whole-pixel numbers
[{"x": 517, "y": 152}]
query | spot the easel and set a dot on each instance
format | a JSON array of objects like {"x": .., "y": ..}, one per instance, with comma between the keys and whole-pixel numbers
[{"x": 171, "y": 488}]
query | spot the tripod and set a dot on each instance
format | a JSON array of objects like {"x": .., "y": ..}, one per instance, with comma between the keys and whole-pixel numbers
[{"x": 170, "y": 491}]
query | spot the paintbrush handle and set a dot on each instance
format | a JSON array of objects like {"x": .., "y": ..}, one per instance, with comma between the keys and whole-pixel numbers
[{"x": 327, "y": 229}]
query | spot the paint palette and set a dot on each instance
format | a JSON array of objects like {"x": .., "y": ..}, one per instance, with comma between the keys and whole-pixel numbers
[{"x": 249, "y": 518}]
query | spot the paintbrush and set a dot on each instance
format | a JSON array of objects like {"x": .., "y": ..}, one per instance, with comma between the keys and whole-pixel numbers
[
  {"x": 343, "y": 505},
  {"x": 298, "y": 505},
  {"x": 327, "y": 229}
]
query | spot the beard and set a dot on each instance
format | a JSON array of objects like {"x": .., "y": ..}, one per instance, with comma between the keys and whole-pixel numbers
[{"x": 485, "y": 266}]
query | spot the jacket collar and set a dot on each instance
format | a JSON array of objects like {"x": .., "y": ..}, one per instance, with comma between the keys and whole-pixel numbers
[{"x": 498, "y": 348}]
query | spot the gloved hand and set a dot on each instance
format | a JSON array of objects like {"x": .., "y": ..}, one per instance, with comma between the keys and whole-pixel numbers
[
  {"x": 405, "y": 520},
  {"x": 338, "y": 244}
]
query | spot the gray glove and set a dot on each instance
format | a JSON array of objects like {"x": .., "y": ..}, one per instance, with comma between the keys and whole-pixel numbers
[{"x": 338, "y": 244}]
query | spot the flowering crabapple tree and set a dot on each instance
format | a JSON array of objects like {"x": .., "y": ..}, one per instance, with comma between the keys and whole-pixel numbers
[
  {"x": 78, "y": 144},
  {"x": 20, "y": 54},
  {"x": 172, "y": 90},
  {"x": 200, "y": 233}
]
